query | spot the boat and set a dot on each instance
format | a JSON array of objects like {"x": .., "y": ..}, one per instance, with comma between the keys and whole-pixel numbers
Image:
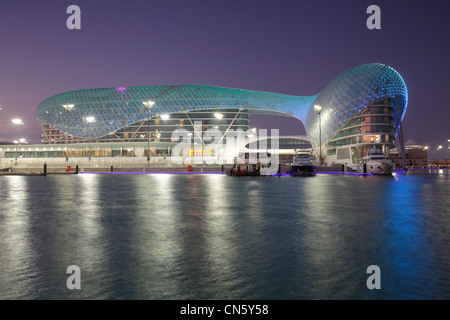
[
  {"x": 303, "y": 164},
  {"x": 377, "y": 163},
  {"x": 244, "y": 171},
  {"x": 243, "y": 167},
  {"x": 250, "y": 164}
]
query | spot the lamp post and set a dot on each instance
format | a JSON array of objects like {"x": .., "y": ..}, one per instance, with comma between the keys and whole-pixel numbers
[
  {"x": 318, "y": 108},
  {"x": 148, "y": 104},
  {"x": 17, "y": 122},
  {"x": 90, "y": 120},
  {"x": 68, "y": 108},
  {"x": 219, "y": 117},
  {"x": 164, "y": 117}
]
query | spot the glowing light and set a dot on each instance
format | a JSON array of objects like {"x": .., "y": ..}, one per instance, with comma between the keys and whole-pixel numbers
[
  {"x": 347, "y": 173},
  {"x": 165, "y": 117},
  {"x": 218, "y": 115},
  {"x": 90, "y": 119},
  {"x": 68, "y": 107},
  {"x": 17, "y": 121},
  {"x": 152, "y": 172},
  {"x": 148, "y": 104}
]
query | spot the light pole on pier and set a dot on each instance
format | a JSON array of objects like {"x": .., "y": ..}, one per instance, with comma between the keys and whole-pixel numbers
[
  {"x": 148, "y": 104},
  {"x": 17, "y": 122},
  {"x": 90, "y": 120},
  {"x": 68, "y": 108},
  {"x": 318, "y": 108}
]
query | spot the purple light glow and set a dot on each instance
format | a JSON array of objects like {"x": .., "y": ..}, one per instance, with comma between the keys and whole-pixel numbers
[
  {"x": 152, "y": 172},
  {"x": 431, "y": 168},
  {"x": 348, "y": 173},
  {"x": 121, "y": 89}
]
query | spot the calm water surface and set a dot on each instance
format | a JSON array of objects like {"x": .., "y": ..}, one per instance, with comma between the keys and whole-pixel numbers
[{"x": 217, "y": 237}]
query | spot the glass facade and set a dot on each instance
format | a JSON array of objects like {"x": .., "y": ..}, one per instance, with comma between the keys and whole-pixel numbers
[
  {"x": 160, "y": 130},
  {"x": 372, "y": 128},
  {"x": 83, "y": 150},
  {"x": 284, "y": 143}
]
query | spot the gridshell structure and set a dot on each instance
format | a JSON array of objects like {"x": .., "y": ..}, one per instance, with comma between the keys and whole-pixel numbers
[{"x": 99, "y": 112}]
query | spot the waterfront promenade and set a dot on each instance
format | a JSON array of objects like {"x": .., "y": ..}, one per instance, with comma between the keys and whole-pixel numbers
[
  {"x": 33, "y": 166},
  {"x": 80, "y": 165}
]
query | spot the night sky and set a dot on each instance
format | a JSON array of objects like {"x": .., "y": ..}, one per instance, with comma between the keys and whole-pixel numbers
[{"x": 291, "y": 47}]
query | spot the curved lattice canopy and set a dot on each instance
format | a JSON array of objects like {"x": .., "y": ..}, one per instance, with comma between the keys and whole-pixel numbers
[{"x": 98, "y": 112}]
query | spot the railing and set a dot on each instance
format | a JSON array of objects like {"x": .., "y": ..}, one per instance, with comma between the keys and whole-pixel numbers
[{"x": 104, "y": 164}]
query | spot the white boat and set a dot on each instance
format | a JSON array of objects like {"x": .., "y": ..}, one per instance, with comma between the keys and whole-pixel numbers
[
  {"x": 378, "y": 164},
  {"x": 303, "y": 165}
]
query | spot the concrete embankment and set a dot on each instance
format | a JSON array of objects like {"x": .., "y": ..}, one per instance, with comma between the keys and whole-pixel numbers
[{"x": 111, "y": 170}]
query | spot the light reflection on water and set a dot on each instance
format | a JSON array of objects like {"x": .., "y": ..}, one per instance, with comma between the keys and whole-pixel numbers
[{"x": 219, "y": 237}]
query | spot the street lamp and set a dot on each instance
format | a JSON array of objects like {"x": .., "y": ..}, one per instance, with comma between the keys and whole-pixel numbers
[
  {"x": 68, "y": 108},
  {"x": 90, "y": 120},
  {"x": 218, "y": 115},
  {"x": 164, "y": 117},
  {"x": 148, "y": 104},
  {"x": 17, "y": 122},
  {"x": 318, "y": 108}
]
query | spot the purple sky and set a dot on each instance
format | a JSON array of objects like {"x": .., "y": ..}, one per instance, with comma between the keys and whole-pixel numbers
[{"x": 293, "y": 47}]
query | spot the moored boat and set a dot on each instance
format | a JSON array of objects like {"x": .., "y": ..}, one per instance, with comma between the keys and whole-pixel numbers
[
  {"x": 378, "y": 163},
  {"x": 303, "y": 165}
]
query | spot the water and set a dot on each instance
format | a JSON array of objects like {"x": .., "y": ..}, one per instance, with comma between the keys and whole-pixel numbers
[{"x": 217, "y": 237}]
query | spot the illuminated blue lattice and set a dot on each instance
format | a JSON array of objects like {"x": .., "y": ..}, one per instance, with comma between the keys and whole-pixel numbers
[{"x": 116, "y": 108}]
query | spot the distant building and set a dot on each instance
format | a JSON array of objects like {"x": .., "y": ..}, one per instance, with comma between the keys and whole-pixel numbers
[
  {"x": 416, "y": 155},
  {"x": 444, "y": 163}
]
